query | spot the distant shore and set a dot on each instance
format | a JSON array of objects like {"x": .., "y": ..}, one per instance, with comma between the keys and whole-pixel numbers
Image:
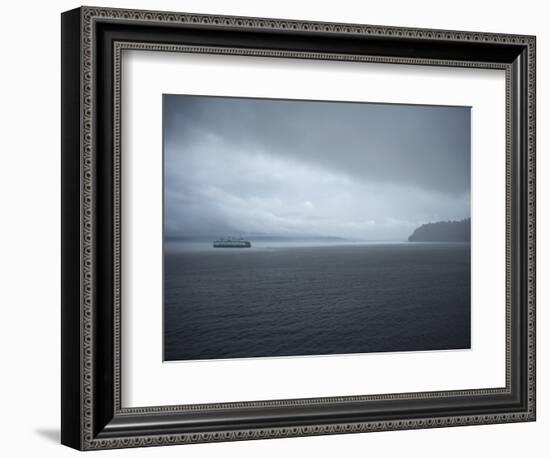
[{"x": 442, "y": 231}]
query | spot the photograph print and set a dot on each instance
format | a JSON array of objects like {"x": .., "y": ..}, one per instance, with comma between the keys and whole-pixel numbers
[{"x": 306, "y": 227}]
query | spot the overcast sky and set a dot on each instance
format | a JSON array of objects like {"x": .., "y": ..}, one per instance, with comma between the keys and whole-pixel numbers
[{"x": 236, "y": 166}]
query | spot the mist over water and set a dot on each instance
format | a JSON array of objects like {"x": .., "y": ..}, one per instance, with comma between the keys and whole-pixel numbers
[
  {"x": 180, "y": 246},
  {"x": 307, "y": 182}
]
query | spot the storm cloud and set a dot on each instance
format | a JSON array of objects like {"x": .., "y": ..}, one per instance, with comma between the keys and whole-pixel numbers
[{"x": 356, "y": 170}]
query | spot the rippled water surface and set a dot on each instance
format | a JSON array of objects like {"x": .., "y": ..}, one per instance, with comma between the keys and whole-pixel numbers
[{"x": 285, "y": 299}]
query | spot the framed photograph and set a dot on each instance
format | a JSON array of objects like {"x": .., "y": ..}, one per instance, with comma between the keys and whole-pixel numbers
[{"x": 276, "y": 228}]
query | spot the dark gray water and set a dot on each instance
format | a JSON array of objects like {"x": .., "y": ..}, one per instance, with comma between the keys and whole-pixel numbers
[{"x": 283, "y": 300}]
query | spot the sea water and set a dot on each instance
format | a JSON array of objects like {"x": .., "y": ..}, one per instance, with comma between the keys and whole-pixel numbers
[{"x": 314, "y": 298}]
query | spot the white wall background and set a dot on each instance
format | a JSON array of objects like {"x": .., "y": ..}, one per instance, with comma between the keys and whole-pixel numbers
[{"x": 30, "y": 240}]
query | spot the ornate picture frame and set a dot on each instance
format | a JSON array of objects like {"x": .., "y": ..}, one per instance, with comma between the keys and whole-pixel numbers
[{"x": 93, "y": 416}]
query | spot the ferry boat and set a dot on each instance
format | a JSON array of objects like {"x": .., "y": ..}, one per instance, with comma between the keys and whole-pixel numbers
[{"x": 231, "y": 243}]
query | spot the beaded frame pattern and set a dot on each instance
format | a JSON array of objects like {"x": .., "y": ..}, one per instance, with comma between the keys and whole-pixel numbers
[{"x": 89, "y": 16}]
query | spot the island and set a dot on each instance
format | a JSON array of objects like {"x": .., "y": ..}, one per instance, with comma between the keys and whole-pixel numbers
[{"x": 442, "y": 231}]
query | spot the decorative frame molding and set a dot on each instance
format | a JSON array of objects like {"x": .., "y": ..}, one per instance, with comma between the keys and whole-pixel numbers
[{"x": 93, "y": 40}]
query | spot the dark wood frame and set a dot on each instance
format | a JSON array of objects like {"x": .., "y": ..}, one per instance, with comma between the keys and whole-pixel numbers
[{"x": 92, "y": 42}]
